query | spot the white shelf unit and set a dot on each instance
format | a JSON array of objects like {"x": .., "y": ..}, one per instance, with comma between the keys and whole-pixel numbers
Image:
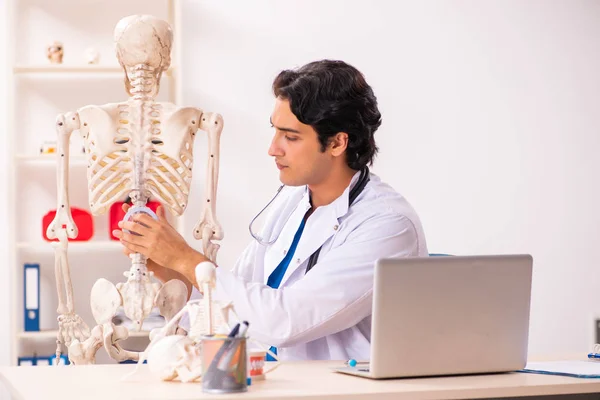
[
  {"x": 51, "y": 334},
  {"x": 37, "y": 92},
  {"x": 84, "y": 246}
]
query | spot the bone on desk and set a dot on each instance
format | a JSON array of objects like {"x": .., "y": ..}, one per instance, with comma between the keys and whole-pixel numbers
[{"x": 293, "y": 380}]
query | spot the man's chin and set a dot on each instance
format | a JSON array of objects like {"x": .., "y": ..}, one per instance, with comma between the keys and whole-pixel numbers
[{"x": 287, "y": 180}]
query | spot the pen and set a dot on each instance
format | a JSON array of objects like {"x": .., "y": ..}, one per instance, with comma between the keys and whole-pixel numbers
[
  {"x": 594, "y": 356},
  {"x": 353, "y": 363},
  {"x": 234, "y": 331},
  {"x": 226, "y": 344},
  {"x": 243, "y": 329},
  {"x": 226, "y": 359}
]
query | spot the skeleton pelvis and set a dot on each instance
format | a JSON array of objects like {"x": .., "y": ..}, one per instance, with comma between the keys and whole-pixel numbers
[{"x": 138, "y": 295}]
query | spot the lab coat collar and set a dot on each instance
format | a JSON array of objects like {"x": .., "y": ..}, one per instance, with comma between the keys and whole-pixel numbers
[
  {"x": 322, "y": 225},
  {"x": 341, "y": 204}
]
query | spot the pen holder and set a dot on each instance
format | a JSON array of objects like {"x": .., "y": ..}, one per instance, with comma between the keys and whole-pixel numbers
[{"x": 224, "y": 365}]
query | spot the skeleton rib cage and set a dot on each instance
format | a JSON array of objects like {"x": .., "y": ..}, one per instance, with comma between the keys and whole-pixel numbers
[{"x": 166, "y": 168}]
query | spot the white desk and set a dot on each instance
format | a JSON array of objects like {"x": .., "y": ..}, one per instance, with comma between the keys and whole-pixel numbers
[{"x": 300, "y": 380}]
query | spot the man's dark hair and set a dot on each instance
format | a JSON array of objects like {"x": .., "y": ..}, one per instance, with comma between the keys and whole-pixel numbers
[{"x": 332, "y": 97}]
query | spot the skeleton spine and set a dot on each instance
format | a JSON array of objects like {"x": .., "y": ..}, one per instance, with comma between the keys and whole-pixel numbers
[{"x": 143, "y": 89}]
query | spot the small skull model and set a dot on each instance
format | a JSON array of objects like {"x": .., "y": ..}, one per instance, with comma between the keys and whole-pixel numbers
[
  {"x": 175, "y": 356},
  {"x": 55, "y": 52},
  {"x": 91, "y": 56}
]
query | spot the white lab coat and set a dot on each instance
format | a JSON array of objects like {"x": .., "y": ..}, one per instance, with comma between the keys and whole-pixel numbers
[{"x": 325, "y": 313}]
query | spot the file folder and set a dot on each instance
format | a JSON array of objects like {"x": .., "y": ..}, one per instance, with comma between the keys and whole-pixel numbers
[
  {"x": 43, "y": 360},
  {"x": 26, "y": 361},
  {"x": 62, "y": 361},
  {"x": 576, "y": 369},
  {"x": 31, "y": 283}
]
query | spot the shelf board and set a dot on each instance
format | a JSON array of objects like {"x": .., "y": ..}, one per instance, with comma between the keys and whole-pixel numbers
[
  {"x": 51, "y": 334},
  {"x": 93, "y": 245},
  {"x": 49, "y": 159},
  {"x": 73, "y": 69},
  {"x": 38, "y": 334},
  {"x": 66, "y": 68}
]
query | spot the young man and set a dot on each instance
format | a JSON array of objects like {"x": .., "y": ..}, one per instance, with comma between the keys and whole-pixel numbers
[{"x": 307, "y": 286}]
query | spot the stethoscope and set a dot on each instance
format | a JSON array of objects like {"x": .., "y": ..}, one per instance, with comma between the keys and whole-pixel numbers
[{"x": 354, "y": 192}]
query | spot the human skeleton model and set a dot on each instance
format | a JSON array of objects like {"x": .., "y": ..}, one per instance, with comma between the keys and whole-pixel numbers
[{"x": 139, "y": 148}]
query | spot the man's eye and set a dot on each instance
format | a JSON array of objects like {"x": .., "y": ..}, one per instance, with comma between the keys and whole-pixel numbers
[{"x": 291, "y": 139}]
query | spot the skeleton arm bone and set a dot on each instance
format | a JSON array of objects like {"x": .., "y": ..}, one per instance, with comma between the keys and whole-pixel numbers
[
  {"x": 70, "y": 326},
  {"x": 62, "y": 273},
  {"x": 208, "y": 228},
  {"x": 206, "y": 278},
  {"x": 65, "y": 125}
]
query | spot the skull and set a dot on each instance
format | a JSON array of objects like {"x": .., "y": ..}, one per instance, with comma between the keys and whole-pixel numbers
[
  {"x": 91, "y": 56},
  {"x": 171, "y": 355},
  {"x": 55, "y": 52},
  {"x": 143, "y": 40}
]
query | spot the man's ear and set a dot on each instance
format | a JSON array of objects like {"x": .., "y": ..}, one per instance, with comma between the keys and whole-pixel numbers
[{"x": 338, "y": 144}]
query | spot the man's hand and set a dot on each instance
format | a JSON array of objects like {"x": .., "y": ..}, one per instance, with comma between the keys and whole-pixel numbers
[
  {"x": 161, "y": 273},
  {"x": 168, "y": 253}
]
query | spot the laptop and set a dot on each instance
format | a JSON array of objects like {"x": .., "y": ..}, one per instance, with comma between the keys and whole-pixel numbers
[{"x": 454, "y": 315}]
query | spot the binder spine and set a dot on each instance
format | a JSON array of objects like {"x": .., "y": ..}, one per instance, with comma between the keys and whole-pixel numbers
[{"x": 31, "y": 301}]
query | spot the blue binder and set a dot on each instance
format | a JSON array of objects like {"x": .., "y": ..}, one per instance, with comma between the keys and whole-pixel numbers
[
  {"x": 43, "y": 360},
  {"x": 64, "y": 360},
  {"x": 31, "y": 301},
  {"x": 27, "y": 361}
]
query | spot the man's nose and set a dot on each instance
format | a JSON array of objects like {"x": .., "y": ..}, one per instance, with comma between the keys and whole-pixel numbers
[{"x": 274, "y": 148}]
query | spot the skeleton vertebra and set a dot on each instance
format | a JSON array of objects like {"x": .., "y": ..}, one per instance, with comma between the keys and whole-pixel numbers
[{"x": 140, "y": 148}]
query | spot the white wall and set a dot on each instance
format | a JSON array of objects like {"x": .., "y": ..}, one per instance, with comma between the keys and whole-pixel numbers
[
  {"x": 487, "y": 128},
  {"x": 489, "y": 125}
]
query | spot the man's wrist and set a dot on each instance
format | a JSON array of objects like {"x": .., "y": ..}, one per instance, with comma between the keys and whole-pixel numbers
[{"x": 186, "y": 265}]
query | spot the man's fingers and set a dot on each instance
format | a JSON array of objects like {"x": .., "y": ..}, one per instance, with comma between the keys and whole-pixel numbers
[
  {"x": 146, "y": 220},
  {"x": 125, "y": 207},
  {"x": 138, "y": 228},
  {"x": 161, "y": 213},
  {"x": 133, "y": 239},
  {"x": 134, "y": 248}
]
